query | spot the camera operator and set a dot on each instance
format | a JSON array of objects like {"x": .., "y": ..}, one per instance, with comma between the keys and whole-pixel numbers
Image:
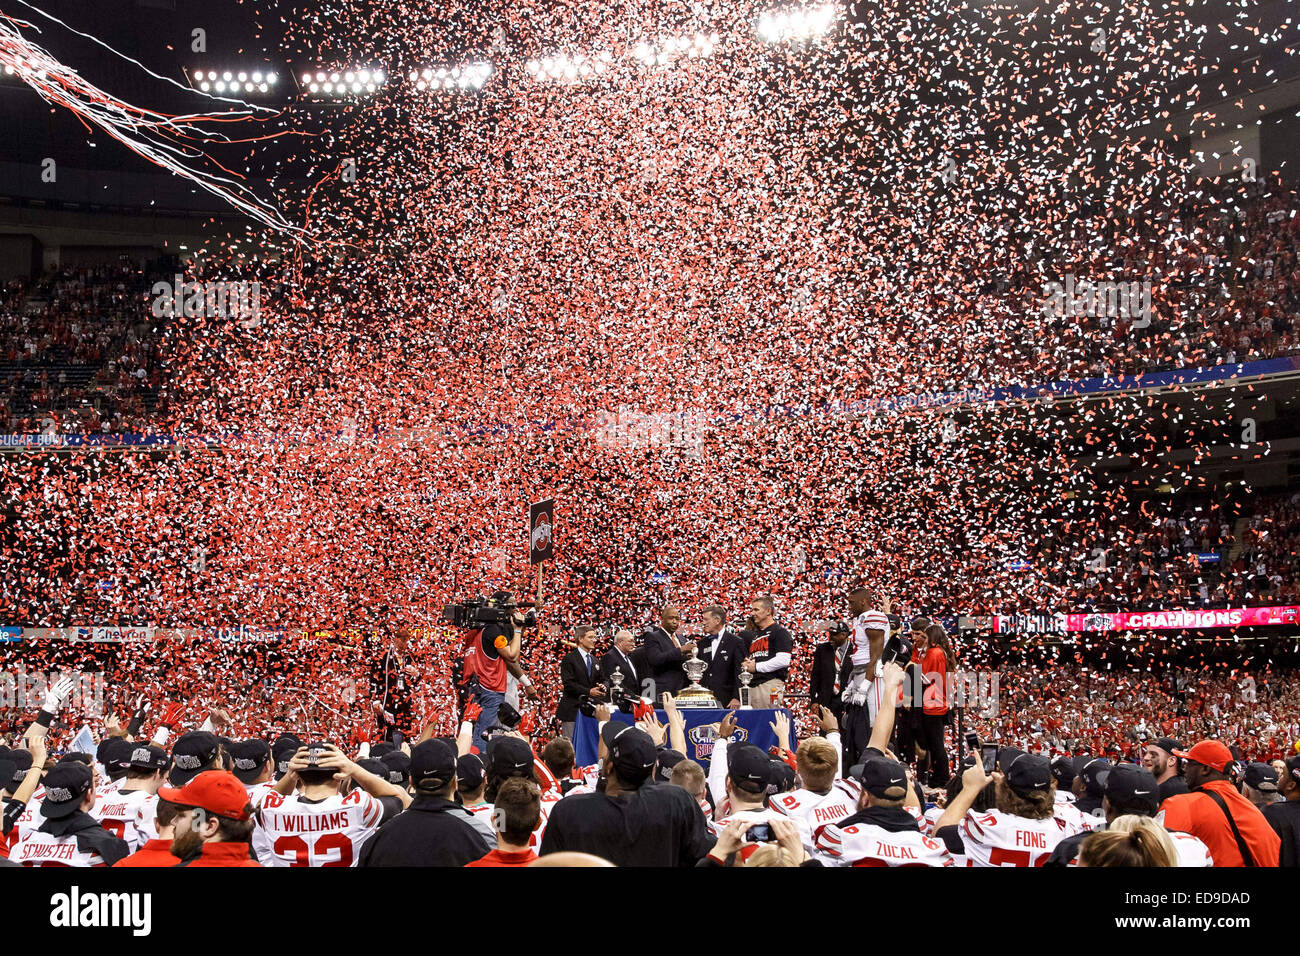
[
  {"x": 580, "y": 677},
  {"x": 493, "y": 655}
]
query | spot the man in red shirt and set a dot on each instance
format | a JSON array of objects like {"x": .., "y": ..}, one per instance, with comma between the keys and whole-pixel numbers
[
  {"x": 214, "y": 822},
  {"x": 517, "y": 813},
  {"x": 157, "y": 852},
  {"x": 1217, "y": 814}
]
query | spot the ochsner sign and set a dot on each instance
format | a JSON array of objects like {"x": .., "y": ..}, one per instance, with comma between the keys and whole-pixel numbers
[{"x": 1177, "y": 620}]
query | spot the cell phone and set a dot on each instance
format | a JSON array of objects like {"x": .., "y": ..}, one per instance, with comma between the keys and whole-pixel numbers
[
  {"x": 972, "y": 741},
  {"x": 759, "y": 833},
  {"x": 989, "y": 754}
]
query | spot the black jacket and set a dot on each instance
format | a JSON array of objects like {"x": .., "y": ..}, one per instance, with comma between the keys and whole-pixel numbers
[
  {"x": 429, "y": 832},
  {"x": 665, "y": 660},
  {"x": 658, "y": 825},
  {"x": 821, "y": 681},
  {"x": 90, "y": 836},
  {"x": 723, "y": 675},
  {"x": 628, "y": 666},
  {"x": 576, "y": 683}
]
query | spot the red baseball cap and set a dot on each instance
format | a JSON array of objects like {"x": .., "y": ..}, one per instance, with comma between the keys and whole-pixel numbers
[
  {"x": 1209, "y": 753},
  {"x": 217, "y": 791}
]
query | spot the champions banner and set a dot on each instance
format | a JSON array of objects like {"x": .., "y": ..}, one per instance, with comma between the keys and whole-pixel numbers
[{"x": 1178, "y": 620}]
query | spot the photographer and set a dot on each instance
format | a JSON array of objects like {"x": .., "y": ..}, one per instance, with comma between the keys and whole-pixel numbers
[
  {"x": 579, "y": 676},
  {"x": 494, "y": 653}
]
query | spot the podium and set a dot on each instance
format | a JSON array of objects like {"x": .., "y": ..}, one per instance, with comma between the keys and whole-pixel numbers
[{"x": 753, "y": 727}]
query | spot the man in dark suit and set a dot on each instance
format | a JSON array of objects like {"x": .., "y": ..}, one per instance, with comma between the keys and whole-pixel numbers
[
  {"x": 830, "y": 658},
  {"x": 665, "y": 653},
  {"x": 621, "y": 657},
  {"x": 724, "y": 651},
  {"x": 578, "y": 675}
]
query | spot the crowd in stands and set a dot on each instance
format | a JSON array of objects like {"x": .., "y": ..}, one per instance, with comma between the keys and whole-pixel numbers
[{"x": 80, "y": 352}]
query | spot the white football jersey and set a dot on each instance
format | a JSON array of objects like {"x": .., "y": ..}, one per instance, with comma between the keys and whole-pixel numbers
[
  {"x": 129, "y": 815},
  {"x": 994, "y": 838},
  {"x": 863, "y": 844},
  {"x": 1191, "y": 851},
  {"x": 261, "y": 842},
  {"x": 1076, "y": 818},
  {"x": 46, "y": 849},
  {"x": 549, "y": 800},
  {"x": 329, "y": 832},
  {"x": 755, "y": 816},
  {"x": 31, "y": 818},
  {"x": 809, "y": 810}
]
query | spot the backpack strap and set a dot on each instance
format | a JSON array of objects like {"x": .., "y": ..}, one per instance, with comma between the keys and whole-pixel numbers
[{"x": 1246, "y": 855}]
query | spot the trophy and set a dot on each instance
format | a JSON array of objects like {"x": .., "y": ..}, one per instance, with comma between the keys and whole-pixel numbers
[
  {"x": 615, "y": 688},
  {"x": 745, "y": 679},
  {"x": 695, "y": 695}
]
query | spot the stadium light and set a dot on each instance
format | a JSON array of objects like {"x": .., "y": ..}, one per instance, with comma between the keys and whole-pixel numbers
[
  {"x": 344, "y": 83},
  {"x": 233, "y": 82},
  {"x": 667, "y": 50},
  {"x": 466, "y": 76},
  {"x": 569, "y": 68},
  {"x": 804, "y": 23}
]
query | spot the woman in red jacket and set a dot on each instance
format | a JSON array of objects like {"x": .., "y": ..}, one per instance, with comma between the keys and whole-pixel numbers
[{"x": 936, "y": 664}]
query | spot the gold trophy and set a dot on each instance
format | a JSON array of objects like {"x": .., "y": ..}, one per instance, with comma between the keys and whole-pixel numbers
[{"x": 695, "y": 695}]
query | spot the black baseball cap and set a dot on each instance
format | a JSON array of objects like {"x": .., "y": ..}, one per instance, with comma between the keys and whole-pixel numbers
[
  {"x": 1132, "y": 789},
  {"x": 884, "y": 778},
  {"x": 115, "y": 755},
  {"x": 66, "y": 785},
  {"x": 22, "y": 760},
  {"x": 470, "y": 772},
  {"x": 371, "y": 765},
  {"x": 633, "y": 755},
  {"x": 1027, "y": 773},
  {"x": 665, "y": 759},
  {"x": 781, "y": 777},
  {"x": 9, "y": 770},
  {"x": 1167, "y": 744},
  {"x": 1094, "y": 774},
  {"x": 1007, "y": 756},
  {"x": 509, "y": 757},
  {"x": 397, "y": 768},
  {"x": 194, "y": 752},
  {"x": 1063, "y": 771},
  {"x": 148, "y": 757},
  {"x": 318, "y": 752},
  {"x": 249, "y": 757},
  {"x": 611, "y": 730},
  {"x": 433, "y": 764},
  {"x": 283, "y": 749},
  {"x": 749, "y": 768},
  {"x": 1262, "y": 777},
  {"x": 381, "y": 748}
]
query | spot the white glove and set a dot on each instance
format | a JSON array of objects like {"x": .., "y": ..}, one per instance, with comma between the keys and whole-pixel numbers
[{"x": 56, "y": 695}]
